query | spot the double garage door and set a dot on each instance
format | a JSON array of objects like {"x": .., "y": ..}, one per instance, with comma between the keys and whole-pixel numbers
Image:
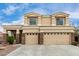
[{"x": 47, "y": 38}]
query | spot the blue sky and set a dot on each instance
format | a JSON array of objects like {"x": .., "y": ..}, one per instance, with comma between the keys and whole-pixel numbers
[{"x": 13, "y": 13}]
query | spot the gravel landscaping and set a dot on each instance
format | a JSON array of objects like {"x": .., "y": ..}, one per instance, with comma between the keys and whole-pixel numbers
[
  {"x": 46, "y": 50},
  {"x": 4, "y": 50}
]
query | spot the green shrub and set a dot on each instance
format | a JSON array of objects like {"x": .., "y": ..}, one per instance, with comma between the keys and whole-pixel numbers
[
  {"x": 74, "y": 43},
  {"x": 10, "y": 39}
]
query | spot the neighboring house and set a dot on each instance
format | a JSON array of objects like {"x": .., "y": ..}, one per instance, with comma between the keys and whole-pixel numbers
[
  {"x": 43, "y": 29},
  {"x": 1, "y": 37}
]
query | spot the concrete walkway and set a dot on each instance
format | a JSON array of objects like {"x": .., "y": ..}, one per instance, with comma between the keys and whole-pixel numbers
[{"x": 46, "y": 50}]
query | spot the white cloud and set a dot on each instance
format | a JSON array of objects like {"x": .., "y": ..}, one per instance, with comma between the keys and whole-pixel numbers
[
  {"x": 16, "y": 22},
  {"x": 73, "y": 14},
  {"x": 74, "y": 17},
  {"x": 26, "y": 5},
  {"x": 40, "y": 11},
  {"x": 10, "y": 10}
]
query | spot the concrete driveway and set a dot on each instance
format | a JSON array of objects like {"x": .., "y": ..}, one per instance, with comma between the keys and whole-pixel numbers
[{"x": 46, "y": 50}]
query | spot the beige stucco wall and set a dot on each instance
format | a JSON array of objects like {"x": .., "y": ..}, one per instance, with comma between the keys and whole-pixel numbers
[
  {"x": 30, "y": 29},
  {"x": 56, "y": 39},
  {"x": 37, "y": 29},
  {"x": 46, "y": 21},
  {"x": 53, "y": 21},
  {"x": 31, "y": 39}
]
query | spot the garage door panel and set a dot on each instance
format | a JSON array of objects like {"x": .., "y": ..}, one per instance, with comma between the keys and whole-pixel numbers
[
  {"x": 31, "y": 39},
  {"x": 56, "y": 38}
]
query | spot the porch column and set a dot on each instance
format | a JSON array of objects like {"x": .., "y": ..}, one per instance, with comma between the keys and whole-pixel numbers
[
  {"x": 53, "y": 21},
  {"x": 40, "y": 38},
  {"x": 17, "y": 36},
  {"x": 23, "y": 38},
  {"x": 67, "y": 21},
  {"x": 72, "y": 37},
  {"x": 25, "y": 21}
]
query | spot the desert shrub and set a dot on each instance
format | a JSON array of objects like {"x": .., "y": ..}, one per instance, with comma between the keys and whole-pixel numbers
[
  {"x": 74, "y": 43},
  {"x": 10, "y": 39}
]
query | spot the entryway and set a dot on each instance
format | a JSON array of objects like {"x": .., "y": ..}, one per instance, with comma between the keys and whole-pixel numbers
[{"x": 17, "y": 36}]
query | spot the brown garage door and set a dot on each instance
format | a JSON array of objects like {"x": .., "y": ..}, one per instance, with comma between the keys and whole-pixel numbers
[
  {"x": 56, "y": 38},
  {"x": 31, "y": 38}
]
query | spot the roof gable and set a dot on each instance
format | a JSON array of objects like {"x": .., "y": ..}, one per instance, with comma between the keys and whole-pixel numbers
[
  {"x": 60, "y": 14},
  {"x": 32, "y": 14}
]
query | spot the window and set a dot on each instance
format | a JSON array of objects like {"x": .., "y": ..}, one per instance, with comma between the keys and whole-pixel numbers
[
  {"x": 59, "y": 21},
  {"x": 32, "y": 20}
]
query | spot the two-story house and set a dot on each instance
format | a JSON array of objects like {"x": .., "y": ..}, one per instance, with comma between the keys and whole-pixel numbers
[{"x": 43, "y": 29}]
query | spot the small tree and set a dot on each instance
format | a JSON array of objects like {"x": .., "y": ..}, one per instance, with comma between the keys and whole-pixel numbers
[{"x": 10, "y": 39}]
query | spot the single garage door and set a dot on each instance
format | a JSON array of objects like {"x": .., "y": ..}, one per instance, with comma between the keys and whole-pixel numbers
[
  {"x": 31, "y": 38},
  {"x": 56, "y": 38}
]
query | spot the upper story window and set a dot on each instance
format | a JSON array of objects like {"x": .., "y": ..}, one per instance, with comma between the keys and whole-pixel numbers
[
  {"x": 59, "y": 21},
  {"x": 32, "y": 20}
]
